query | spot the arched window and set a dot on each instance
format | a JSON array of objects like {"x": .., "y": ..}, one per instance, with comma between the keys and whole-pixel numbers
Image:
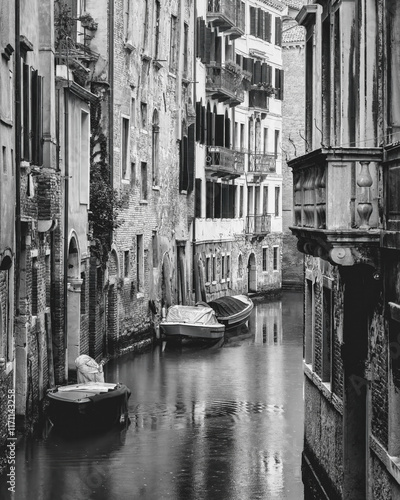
[{"x": 155, "y": 148}]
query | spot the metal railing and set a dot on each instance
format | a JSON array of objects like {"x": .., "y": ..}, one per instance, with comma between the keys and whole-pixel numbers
[
  {"x": 224, "y": 161},
  {"x": 262, "y": 163},
  {"x": 222, "y": 81},
  {"x": 258, "y": 224}
]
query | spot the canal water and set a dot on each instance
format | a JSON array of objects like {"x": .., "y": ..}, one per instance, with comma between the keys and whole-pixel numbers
[{"x": 220, "y": 423}]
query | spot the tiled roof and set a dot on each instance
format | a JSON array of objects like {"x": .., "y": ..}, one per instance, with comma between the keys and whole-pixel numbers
[
  {"x": 276, "y": 4},
  {"x": 293, "y": 33},
  {"x": 294, "y": 4}
]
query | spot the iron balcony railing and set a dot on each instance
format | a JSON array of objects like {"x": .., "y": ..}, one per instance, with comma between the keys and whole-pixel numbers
[
  {"x": 221, "y": 13},
  {"x": 221, "y": 162},
  {"x": 224, "y": 84},
  {"x": 258, "y": 224},
  {"x": 262, "y": 163},
  {"x": 259, "y": 99}
]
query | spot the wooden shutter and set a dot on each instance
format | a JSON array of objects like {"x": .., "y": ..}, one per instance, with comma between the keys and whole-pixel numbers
[
  {"x": 26, "y": 122},
  {"x": 198, "y": 120},
  {"x": 39, "y": 137},
  {"x": 203, "y": 133},
  {"x": 253, "y": 27},
  {"x": 278, "y": 31},
  {"x": 282, "y": 82},
  {"x": 208, "y": 42},
  {"x": 191, "y": 157},
  {"x": 260, "y": 23},
  {"x": 268, "y": 20},
  {"x": 34, "y": 118},
  {"x": 201, "y": 38},
  {"x": 219, "y": 130},
  {"x": 257, "y": 72},
  {"x": 227, "y": 133},
  {"x": 197, "y": 203},
  {"x": 264, "y": 72},
  {"x": 269, "y": 78}
]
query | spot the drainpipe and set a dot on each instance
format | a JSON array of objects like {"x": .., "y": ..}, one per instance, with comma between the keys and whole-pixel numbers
[
  {"x": 111, "y": 98},
  {"x": 17, "y": 157},
  {"x": 66, "y": 202}
]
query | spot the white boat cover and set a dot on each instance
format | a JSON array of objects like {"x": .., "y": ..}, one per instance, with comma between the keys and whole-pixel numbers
[
  {"x": 191, "y": 314},
  {"x": 88, "y": 370}
]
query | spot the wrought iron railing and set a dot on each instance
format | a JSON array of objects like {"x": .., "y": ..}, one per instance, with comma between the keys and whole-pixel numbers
[
  {"x": 223, "y": 81},
  {"x": 262, "y": 163},
  {"x": 224, "y": 161},
  {"x": 224, "y": 9},
  {"x": 258, "y": 224}
]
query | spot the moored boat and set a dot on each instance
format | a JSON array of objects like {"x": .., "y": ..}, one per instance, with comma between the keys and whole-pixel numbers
[
  {"x": 232, "y": 311},
  {"x": 193, "y": 322},
  {"x": 89, "y": 406}
]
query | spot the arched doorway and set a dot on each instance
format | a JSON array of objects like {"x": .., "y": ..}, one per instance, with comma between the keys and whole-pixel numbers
[
  {"x": 73, "y": 304},
  {"x": 252, "y": 274}
]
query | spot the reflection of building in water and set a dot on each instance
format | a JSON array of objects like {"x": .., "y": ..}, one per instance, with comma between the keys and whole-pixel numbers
[{"x": 267, "y": 324}]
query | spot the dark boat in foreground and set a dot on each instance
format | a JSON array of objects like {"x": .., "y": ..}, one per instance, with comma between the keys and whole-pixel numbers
[
  {"x": 232, "y": 311},
  {"x": 92, "y": 406}
]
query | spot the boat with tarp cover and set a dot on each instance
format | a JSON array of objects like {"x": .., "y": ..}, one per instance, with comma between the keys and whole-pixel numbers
[{"x": 192, "y": 322}]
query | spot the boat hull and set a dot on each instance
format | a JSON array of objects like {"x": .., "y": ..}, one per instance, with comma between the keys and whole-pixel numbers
[
  {"x": 232, "y": 311},
  {"x": 193, "y": 331},
  {"x": 87, "y": 407}
]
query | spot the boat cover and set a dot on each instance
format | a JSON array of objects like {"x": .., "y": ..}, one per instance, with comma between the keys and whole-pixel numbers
[
  {"x": 191, "y": 314},
  {"x": 88, "y": 370},
  {"x": 227, "y": 306}
]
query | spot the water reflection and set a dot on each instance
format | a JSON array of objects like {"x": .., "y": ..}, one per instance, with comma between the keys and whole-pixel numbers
[{"x": 209, "y": 424}]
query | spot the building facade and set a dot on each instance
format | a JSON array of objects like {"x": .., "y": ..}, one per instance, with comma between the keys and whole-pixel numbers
[
  {"x": 237, "y": 231},
  {"x": 345, "y": 220}
]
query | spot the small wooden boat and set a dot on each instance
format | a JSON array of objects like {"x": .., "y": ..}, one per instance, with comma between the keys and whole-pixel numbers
[
  {"x": 86, "y": 407},
  {"x": 193, "y": 322},
  {"x": 232, "y": 311}
]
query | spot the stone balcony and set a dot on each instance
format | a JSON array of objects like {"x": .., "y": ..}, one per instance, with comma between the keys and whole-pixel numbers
[
  {"x": 336, "y": 195},
  {"x": 260, "y": 165},
  {"x": 221, "y": 13},
  {"x": 224, "y": 85},
  {"x": 224, "y": 162},
  {"x": 258, "y": 225}
]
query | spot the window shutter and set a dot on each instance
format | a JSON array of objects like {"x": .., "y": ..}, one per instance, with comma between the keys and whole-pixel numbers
[
  {"x": 264, "y": 72},
  {"x": 198, "y": 198},
  {"x": 190, "y": 157},
  {"x": 227, "y": 133},
  {"x": 260, "y": 23},
  {"x": 219, "y": 130},
  {"x": 203, "y": 133},
  {"x": 257, "y": 72},
  {"x": 268, "y": 20},
  {"x": 278, "y": 31},
  {"x": 253, "y": 21},
  {"x": 281, "y": 82},
  {"x": 27, "y": 108},
  {"x": 198, "y": 120},
  {"x": 201, "y": 39},
  {"x": 39, "y": 138},
  {"x": 34, "y": 117},
  {"x": 269, "y": 80},
  {"x": 208, "y": 43}
]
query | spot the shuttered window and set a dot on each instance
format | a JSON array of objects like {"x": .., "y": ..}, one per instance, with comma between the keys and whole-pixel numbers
[
  {"x": 278, "y": 31},
  {"x": 36, "y": 134},
  {"x": 253, "y": 21},
  {"x": 278, "y": 84}
]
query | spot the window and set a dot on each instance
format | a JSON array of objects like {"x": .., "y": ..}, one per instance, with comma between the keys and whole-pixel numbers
[
  {"x": 6, "y": 334},
  {"x": 241, "y": 202},
  {"x": 35, "y": 285},
  {"x": 155, "y": 148},
  {"x": 276, "y": 143},
  {"x": 276, "y": 263},
  {"x": 143, "y": 171},
  {"x": 84, "y": 158},
  {"x": 125, "y": 147},
  {"x": 309, "y": 322},
  {"x": 133, "y": 174},
  {"x": 265, "y": 142},
  {"x": 198, "y": 198},
  {"x": 133, "y": 111},
  {"x": 278, "y": 31},
  {"x": 228, "y": 267},
  {"x": 173, "y": 44},
  {"x": 260, "y": 23},
  {"x": 83, "y": 293},
  {"x": 126, "y": 20},
  {"x": 154, "y": 245},
  {"x": 265, "y": 200},
  {"x": 126, "y": 264},
  {"x": 223, "y": 267},
  {"x": 139, "y": 263},
  {"x": 279, "y": 84},
  {"x": 143, "y": 115},
  {"x": 145, "y": 23},
  {"x": 4, "y": 158},
  {"x": 157, "y": 30},
  {"x": 32, "y": 115},
  {"x": 242, "y": 137},
  {"x": 240, "y": 266},
  {"x": 214, "y": 268},
  {"x": 277, "y": 200},
  {"x": 48, "y": 280},
  {"x": 327, "y": 324},
  {"x": 185, "y": 50},
  {"x": 264, "y": 259},
  {"x": 208, "y": 269}
]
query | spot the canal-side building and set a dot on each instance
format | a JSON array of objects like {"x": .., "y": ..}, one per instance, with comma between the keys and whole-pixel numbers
[
  {"x": 346, "y": 222},
  {"x": 237, "y": 232},
  {"x": 145, "y": 137},
  {"x": 7, "y": 211},
  {"x": 293, "y": 136}
]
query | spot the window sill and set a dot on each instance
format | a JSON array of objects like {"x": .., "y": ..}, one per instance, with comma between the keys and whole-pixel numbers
[{"x": 143, "y": 202}]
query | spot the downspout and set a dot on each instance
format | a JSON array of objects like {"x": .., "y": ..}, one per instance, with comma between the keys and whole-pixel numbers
[
  {"x": 111, "y": 99},
  {"x": 195, "y": 265},
  {"x": 17, "y": 157},
  {"x": 66, "y": 201}
]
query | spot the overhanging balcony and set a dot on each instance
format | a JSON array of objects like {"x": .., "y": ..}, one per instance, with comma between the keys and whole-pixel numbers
[
  {"x": 221, "y": 13},
  {"x": 258, "y": 225},
  {"x": 336, "y": 211},
  {"x": 260, "y": 165},
  {"x": 259, "y": 99},
  {"x": 224, "y": 85},
  {"x": 223, "y": 162}
]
